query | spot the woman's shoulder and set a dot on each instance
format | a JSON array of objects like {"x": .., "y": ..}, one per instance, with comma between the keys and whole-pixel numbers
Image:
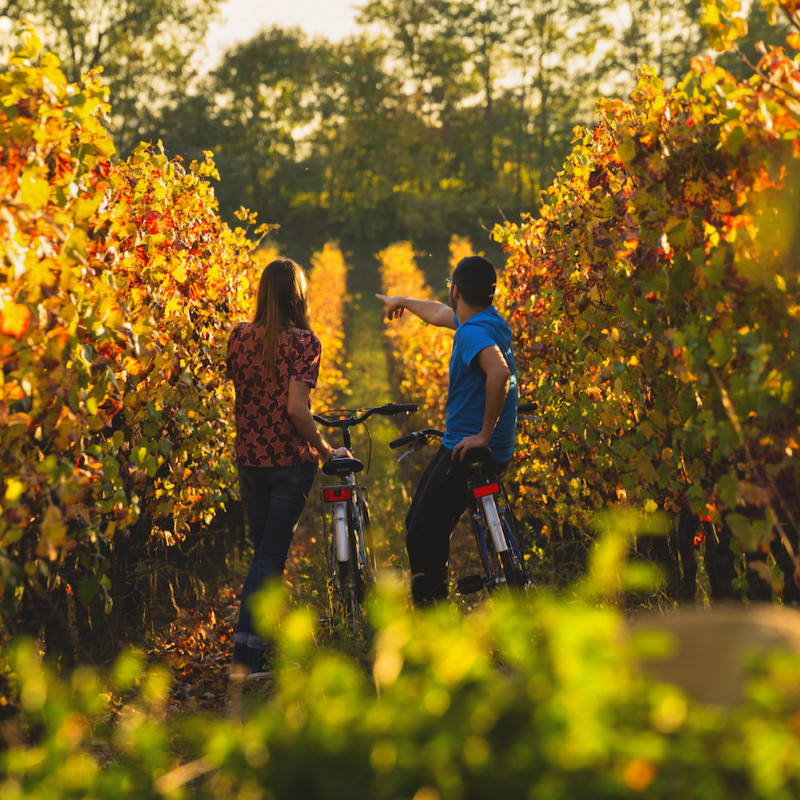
[
  {"x": 243, "y": 330},
  {"x": 301, "y": 336}
]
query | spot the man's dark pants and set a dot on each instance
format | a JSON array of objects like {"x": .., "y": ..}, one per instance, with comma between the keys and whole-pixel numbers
[{"x": 441, "y": 498}]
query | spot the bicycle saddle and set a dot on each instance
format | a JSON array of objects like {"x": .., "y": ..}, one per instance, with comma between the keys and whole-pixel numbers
[
  {"x": 342, "y": 466},
  {"x": 478, "y": 455}
]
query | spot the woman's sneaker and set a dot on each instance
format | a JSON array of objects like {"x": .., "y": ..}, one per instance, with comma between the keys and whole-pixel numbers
[
  {"x": 240, "y": 666},
  {"x": 259, "y": 662}
]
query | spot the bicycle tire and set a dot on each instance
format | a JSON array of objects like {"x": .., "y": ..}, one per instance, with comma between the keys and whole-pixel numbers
[
  {"x": 512, "y": 569},
  {"x": 512, "y": 561},
  {"x": 486, "y": 552},
  {"x": 347, "y": 580},
  {"x": 350, "y": 589},
  {"x": 341, "y": 580},
  {"x": 501, "y": 568},
  {"x": 351, "y": 581},
  {"x": 370, "y": 562}
]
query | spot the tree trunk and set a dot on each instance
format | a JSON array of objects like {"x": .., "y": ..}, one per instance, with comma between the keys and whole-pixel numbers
[{"x": 719, "y": 562}]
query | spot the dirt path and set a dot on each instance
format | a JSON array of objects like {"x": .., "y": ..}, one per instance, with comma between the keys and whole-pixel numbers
[
  {"x": 387, "y": 484},
  {"x": 198, "y": 645}
]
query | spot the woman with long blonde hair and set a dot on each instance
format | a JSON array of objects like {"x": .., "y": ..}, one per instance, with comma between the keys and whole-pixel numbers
[{"x": 273, "y": 362}]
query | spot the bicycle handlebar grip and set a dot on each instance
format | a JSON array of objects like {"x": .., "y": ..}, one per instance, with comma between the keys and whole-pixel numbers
[
  {"x": 524, "y": 408},
  {"x": 395, "y": 408},
  {"x": 403, "y": 440}
]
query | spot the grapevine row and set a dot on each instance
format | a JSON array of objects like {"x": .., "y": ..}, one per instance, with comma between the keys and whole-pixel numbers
[
  {"x": 655, "y": 307},
  {"x": 418, "y": 353},
  {"x": 327, "y": 294},
  {"x": 120, "y": 284}
]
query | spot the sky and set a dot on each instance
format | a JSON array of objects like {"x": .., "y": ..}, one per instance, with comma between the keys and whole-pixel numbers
[{"x": 241, "y": 19}]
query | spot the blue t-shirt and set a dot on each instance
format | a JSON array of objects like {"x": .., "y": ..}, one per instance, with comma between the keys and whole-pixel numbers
[{"x": 466, "y": 395}]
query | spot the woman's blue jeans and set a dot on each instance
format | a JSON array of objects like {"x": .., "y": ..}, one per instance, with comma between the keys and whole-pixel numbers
[{"x": 273, "y": 499}]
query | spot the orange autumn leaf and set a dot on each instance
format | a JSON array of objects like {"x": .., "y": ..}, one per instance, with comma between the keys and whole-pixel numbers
[{"x": 14, "y": 320}]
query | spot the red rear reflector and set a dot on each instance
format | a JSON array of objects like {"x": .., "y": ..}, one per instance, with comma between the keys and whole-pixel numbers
[
  {"x": 337, "y": 493},
  {"x": 482, "y": 491}
]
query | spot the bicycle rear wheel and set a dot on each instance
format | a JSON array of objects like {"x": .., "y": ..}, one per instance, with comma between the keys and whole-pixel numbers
[
  {"x": 512, "y": 562},
  {"x": 370, "y": 563},
  {"x": 492, "y": 567},
  {"x": 507, "y": 567},
  {"x": 350, "y": 589},
  {"x": 352, "y": 578},
  {"x": 342, "y": 575}
]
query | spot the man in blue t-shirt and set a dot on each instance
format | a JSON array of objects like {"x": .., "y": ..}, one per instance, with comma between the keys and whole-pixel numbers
[{"x": 481, "y": 410}]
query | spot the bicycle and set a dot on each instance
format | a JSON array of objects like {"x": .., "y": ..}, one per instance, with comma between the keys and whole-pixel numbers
[
  {"x": 491, "y": 514},
  {"x": 349, "y": 550}
]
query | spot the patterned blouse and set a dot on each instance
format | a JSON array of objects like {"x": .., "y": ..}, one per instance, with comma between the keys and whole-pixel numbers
[{"x": 265, "y": 433}]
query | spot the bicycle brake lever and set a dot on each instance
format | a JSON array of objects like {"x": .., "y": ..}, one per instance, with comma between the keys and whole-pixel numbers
[{"x": 407, "y": 452}]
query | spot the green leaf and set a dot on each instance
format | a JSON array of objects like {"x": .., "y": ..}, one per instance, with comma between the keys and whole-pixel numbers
[
  {"x": 729, "y": 490},
  {"x": 752, "y": 534},
  {"x": 626, "y": 150},
  {"x": 721, "y": 349}
]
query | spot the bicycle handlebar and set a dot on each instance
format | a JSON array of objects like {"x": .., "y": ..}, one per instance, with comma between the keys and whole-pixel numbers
[
  {"x": 418, "y": 437},
  {"x": 356, "y": 418}
]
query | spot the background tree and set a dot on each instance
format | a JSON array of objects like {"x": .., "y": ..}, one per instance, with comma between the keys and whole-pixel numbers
[
  {"x": 443, "y": 117},
  {"x": 431, "y": 51},
  {"x": 658, "y": 34},
  {"x": 483, "y": 27},
  {"x": 415, "y": 38},
  {"x": 553, "y": 46},
  {"x": 147, "y": 50},
  {"x": 373, "y": 155},
  {"x": 265, "y": 94},
  {"x": 764, "y": 29},
  {"x": 305, "y": 132}
]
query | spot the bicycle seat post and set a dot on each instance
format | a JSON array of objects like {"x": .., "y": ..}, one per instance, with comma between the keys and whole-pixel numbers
[{"x": 476, "y": 471}]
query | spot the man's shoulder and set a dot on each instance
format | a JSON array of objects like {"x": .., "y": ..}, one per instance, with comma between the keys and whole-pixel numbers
[
  {"x": 488, "y": 314},
  {"x": 487, "y": 320}
]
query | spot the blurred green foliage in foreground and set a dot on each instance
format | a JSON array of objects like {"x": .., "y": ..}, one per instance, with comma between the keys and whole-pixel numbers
[{"x": 536, "y": 697}]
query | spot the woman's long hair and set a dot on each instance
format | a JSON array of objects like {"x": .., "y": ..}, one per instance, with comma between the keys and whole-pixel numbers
[{"x": 282, "y": 303}]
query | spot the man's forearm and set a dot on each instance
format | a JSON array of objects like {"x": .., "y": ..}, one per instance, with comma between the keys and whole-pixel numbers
[{"x": 431, "y": 311}]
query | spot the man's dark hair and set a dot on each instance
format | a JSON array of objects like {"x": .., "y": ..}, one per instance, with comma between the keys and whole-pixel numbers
[{"x": 476, "y": 278}]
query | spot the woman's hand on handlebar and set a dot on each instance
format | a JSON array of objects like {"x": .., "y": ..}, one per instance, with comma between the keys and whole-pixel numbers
[{"x": 335, "y": 452}]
